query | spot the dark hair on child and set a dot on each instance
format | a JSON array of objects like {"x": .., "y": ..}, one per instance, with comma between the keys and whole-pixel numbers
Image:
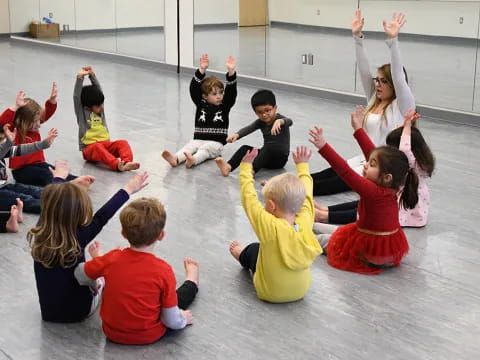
[
  {"x": 92, "y": 96},
  {"x": 395, "y": 162},
  {"x": 263, "y": 97},
  {"x": 423, "y": 154},
  {"x": 210, "y": 83}
]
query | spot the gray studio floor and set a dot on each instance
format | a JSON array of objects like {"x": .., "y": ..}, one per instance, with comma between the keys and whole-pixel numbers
[{"x": 429, "y": 308}]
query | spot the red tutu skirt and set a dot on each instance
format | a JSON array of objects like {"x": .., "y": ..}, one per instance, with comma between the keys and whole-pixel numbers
[{"x": 352, "y": 250}]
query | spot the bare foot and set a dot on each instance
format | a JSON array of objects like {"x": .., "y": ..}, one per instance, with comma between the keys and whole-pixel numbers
[
  {"x": 225, "y": 167},
  {"x": 171, "y": 158},
  {"x": 321, "y": 215},
  {"x": 84, "y": 180},
  {"x": 191, "y": 270},
  {"x": 12, "y": 222},
  {"x": 190, "y": 161},
  {"x": 319, "y": 207},
  {"x": 95, "y": 249},
  {"x": 19, "y": 210},
  {"x": 235, "y": 250},
  {"x": 127, "y": 166}
]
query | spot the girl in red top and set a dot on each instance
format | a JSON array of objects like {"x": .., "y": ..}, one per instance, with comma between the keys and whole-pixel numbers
[
  {"x": 375, "y": 241},
  {"x": 27, "y": 116}
]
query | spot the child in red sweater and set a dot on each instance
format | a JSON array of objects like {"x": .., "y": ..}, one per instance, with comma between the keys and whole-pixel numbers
[
  {"x": 375, "y": 241},
  {"x": 26, "y": 115},
  {"x": 140, "y": 302}
]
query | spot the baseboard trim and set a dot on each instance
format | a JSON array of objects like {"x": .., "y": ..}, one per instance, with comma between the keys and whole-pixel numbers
[{"x": 449, "y": 115}]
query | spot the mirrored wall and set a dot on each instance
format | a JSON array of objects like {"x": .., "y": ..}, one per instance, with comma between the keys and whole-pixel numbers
[
  {"x": 306, "y": 42},
  {"x": 309, "y": 42},
  {"x": 128, "y": 27}
]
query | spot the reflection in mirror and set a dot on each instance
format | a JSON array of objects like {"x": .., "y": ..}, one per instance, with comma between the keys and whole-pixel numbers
[
  {"x": 140, "y": 28},
  {"x": 123, "y": 26},
  {"x": 220, "y": 32}
]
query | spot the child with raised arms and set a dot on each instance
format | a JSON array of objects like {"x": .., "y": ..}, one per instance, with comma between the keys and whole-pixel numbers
[
  {"x": 281, "y": 260},
  {"x": 93, "y": 135},
  {"x": 213, "y": 103},
  {"x": 409, "y": 139},
  {"x": 375, "y": 241},
  {"x": 26, "y": 115}
]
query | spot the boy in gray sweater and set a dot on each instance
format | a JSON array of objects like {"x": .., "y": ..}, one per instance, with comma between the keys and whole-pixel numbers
[{"x": 93, "y": 135}]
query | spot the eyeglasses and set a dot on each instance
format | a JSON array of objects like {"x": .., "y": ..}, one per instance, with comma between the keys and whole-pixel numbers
[
  {"x": 264, "y": 112},
  {"x": 382, "y": 81}
]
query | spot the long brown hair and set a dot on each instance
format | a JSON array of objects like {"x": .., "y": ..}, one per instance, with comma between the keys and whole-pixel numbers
[
  {"x": 25, "y": 117},
  {"x": 387, "y": 72},
  {"x": 420, "y": 149},
  {"x": 395, "y": 162},
  {"x": 65, "y": 207}
]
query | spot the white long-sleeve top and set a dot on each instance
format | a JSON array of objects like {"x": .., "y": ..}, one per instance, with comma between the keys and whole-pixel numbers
[{"x": 378, "y": 126}]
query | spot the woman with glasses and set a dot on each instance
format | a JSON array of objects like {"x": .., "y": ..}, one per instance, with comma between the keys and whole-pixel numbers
[{"x": 388, "y": 97}]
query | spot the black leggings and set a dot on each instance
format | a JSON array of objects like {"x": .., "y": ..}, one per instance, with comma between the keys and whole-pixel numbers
[
  {"x": 4, "y": 216},
  {"x": 38, "y": 174},
  {"x": 266, "y": 158},
  {"x": 327, "y": 182},
  {"x": 345, "y": 213},
  {"x": 186, "y": 294},
  {"x": 248, "y": 257}
]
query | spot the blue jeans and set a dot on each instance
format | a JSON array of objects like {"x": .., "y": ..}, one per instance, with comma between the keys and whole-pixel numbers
[
  {"x": 37, "y": 174},
  {"x": 30, "y": 195}
]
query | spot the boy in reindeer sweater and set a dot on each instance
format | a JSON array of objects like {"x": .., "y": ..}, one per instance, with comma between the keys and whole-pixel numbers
[{"x": 213, "y": 102}]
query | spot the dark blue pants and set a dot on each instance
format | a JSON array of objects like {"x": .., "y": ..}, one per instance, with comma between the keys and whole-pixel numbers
[
  {"x": 30, "y": 195},
  {"x": 37, "y": 174}
]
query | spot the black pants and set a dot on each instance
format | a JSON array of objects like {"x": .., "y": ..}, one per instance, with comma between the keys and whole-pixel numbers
[
  {"x": 266, "y": 158},
  {"x": 186, "y": 294},
  {"x": 345, "y": 213},
  {"x": 248, "y": 257},
  {"x": 4, "y": 216},
  {"x": 327, "y": 182},
  {"x": 37, "y": 174}
]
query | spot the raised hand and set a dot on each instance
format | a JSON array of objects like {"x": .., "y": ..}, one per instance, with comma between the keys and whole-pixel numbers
[
  {"x": 9, "y": 134},
  {"x": 95, "y": 249},
  {"x": 302, "y": 154},
  {"x": 250, "y": 156},
  {"x": 20, "y": 100},
  {"x": 357, "y": 23},
  {"x": 316, "y": 137},
  {"x": 410, "y": 118},
  {"x": 84, "y": 71},
  {"x": 137, "y": 183},
  {"x": 231, "y": 65},
  {"x": 187, "y": 314},
  {"x": 392, "y": 29},
  {"x": 357, "y": 118},
  {"x": 53, "y": 94},
  {"x": 61, "y": 169},
  {"x": 52, "y": 134},
  {"x": 204, "y": 62},
  {"x": 232, "y": 138},
  {"x": 277, "y": 126}
]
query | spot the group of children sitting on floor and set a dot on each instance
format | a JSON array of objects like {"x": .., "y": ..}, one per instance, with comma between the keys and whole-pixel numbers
[{"x": 138, "y": 290}]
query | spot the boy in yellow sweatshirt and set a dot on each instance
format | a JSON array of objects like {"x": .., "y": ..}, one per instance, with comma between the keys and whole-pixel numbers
[{"x": 281, "y": 261}]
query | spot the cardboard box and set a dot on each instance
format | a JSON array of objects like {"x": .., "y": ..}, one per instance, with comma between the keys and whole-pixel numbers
[{"x": 44, "y": 30}]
